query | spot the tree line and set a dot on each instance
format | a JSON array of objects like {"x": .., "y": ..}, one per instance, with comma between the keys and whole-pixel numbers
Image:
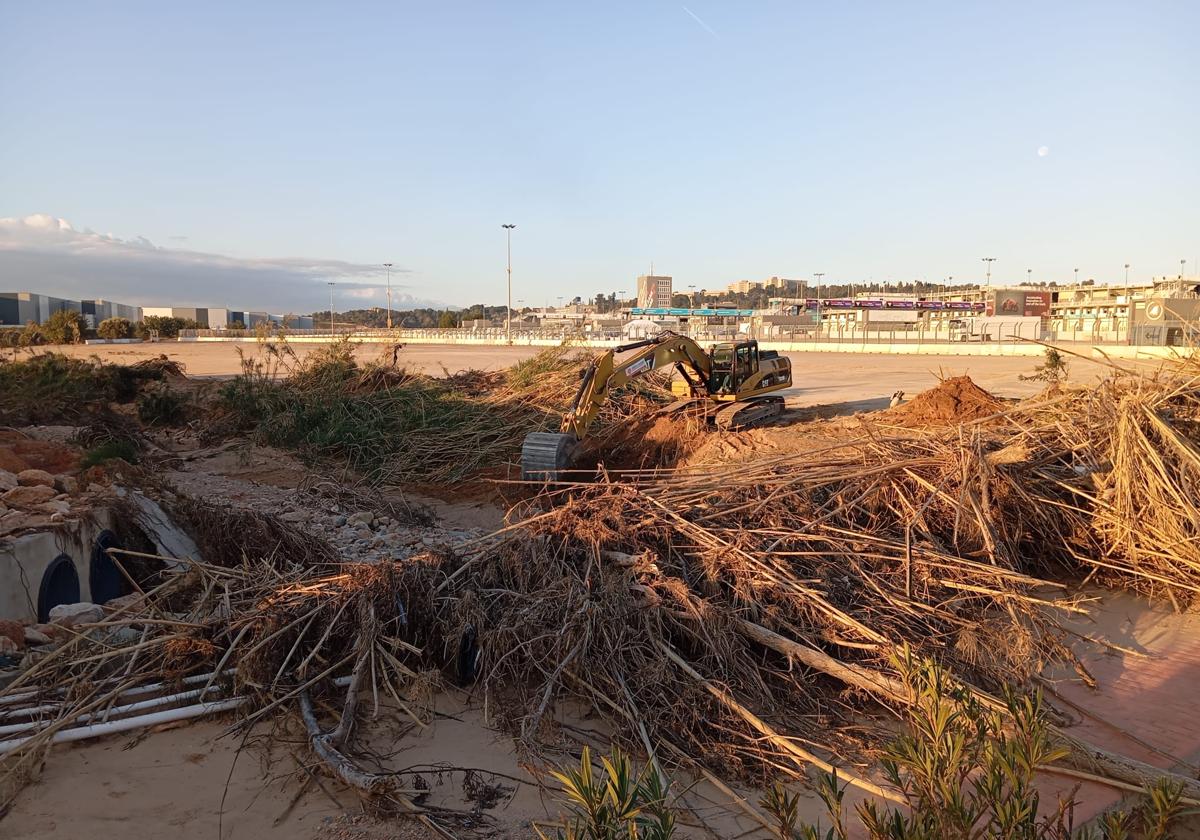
[{"x": 69, "y": 327}]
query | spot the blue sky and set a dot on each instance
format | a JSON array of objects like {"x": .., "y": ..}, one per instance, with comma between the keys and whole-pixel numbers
[{"x": 191, "y": 145}]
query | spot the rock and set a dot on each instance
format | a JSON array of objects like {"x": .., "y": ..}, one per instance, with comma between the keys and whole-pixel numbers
[
  {"x": 293, "y": 516},
  {"x": 7, "y": 646},
  {"x": 55, "y": 506},
  {"x": 28, "y": 496},
  {"x": 66, "y": 484},
  {"x": 36, "y": 637},
  {"x": 52, "y": 632},
  {"x": 72, "y": 615},
  {"x": 363, "y": 517},
  {"x": 35, "y": 478},
  {"x": 93, "y": 487},
  {"x": 15, "y": 520},
  {"x": 7, "y": 481},
  {"x": 338, "y": 521},
  {"x": 12, "y": 630}
]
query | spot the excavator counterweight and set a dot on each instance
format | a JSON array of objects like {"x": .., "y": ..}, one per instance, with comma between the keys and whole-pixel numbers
[{"x": 732, "y": 378}]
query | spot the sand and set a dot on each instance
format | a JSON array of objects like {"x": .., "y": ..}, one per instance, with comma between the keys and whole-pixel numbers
[{"x": 818, "y": 378}]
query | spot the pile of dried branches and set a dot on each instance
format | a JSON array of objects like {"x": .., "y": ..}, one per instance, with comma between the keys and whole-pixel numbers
[{"x": 748, "y": 618}]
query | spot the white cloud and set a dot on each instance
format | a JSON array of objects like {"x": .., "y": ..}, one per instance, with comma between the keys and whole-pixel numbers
[{"x": 43, "y": 253}]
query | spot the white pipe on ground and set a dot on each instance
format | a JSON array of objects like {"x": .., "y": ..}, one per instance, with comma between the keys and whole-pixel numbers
[
  {"x": 136, "y": 691},
  {"x": 98, "y": 730},
  {"x": 117, "y": 711}
]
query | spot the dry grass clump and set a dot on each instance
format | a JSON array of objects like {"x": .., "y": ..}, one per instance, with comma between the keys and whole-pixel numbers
[{"x": 397, "y": 426}]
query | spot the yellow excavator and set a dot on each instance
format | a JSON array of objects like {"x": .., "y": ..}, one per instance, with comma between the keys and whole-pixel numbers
[{"x": 730, "y": 381}]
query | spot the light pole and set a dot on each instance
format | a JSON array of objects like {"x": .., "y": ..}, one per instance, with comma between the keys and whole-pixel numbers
[
  {"x": 820, "y": 318},
  {"x": 1029, "y": 276},
  {"x": 989, "y": 261},
  {"x": 1077, "y": 277},
  {"x": 508, "y": 229},
  {"x": 331, "y": 285},
  {"x": 1182, "y": 272},
  {"x": 388, "y": 266}
]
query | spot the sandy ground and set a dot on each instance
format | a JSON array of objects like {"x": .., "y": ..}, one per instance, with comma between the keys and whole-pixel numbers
[
  {"x": 818, "y": 378},
  {"x": 191, "y": 782}
]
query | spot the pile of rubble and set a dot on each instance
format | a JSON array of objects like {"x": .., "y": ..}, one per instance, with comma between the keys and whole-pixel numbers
[{"x": 35, "y": 498}]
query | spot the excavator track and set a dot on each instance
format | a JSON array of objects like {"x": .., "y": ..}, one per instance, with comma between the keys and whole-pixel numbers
[
  {"x": 747, "y": 413},
  {"x": 547, "y": 456}
]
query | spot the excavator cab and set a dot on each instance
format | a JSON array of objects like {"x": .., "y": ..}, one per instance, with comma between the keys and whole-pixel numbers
[{"x": 733, "y": 363}]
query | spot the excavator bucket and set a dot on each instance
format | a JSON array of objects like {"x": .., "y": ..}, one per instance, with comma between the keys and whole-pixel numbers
[{"x": 545, "y": 456}]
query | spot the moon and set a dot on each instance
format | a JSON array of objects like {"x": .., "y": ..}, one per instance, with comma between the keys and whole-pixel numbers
[{"x": 1043, "y": 151}]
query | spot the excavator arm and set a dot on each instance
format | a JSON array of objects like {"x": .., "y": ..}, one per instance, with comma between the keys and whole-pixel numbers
[
  {"x": 605, "y": 375},
  {"x": 545, "y": 454}
]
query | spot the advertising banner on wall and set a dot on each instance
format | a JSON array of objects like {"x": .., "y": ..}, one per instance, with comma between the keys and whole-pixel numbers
[
  {"x": 1006, "y": 303},
  {"x": 1037, "y": 303}
]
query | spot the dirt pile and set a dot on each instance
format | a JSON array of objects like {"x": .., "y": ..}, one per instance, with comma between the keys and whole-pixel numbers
[
  {"x": 646, "y": 443},
  {"x": 19, "y": 452},
  {"x": 955, "y": 400}
]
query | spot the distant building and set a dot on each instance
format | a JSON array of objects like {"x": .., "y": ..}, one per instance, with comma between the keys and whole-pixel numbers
[
  {"x": 199, "y": 314},
  {"x": 97, "y": 311},
  {"x": 19, "y": 308},
  {"x": 653, "y": 291},
  {"x": 741, "y": 287}
]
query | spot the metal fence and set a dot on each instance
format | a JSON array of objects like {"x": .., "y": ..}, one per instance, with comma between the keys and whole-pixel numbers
[{"x": 921, "y": 333}]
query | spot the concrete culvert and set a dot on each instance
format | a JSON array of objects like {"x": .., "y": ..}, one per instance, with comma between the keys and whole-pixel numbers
[
  {"x": 106, "y": 580},
  {"x": 60, "y": 585}
]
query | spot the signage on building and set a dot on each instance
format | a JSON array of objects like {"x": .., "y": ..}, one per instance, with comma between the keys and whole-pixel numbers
[
  {"x": 1018, "y": 302},
  {"x": 1037, "y": 303}
]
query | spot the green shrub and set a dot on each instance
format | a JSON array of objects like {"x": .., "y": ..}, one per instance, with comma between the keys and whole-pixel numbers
[
  {"x": 64, "y": 327},
  {"x": 968, "y": 772},
  {"x": 164, "y": 325},
  {"x": 1053, "y": 370},
  {"x": 115, "y": 328},
  {"x": 161, "y": 407},
  {"x": 49, "y": 387},
  {"x": 619, "y": 804},
  {"x": 110, "y": 450},
  {"x": 32, "y": 335}
]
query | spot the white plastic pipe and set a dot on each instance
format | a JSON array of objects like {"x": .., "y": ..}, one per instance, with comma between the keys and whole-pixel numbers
[
  {"x": 98, "y": 730},
  {"x": 115, "y": 711},
  {"x": 136, "y": 691}
]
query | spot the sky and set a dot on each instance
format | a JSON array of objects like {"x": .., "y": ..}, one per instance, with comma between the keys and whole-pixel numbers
[{"x": 246, "y": 154}]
